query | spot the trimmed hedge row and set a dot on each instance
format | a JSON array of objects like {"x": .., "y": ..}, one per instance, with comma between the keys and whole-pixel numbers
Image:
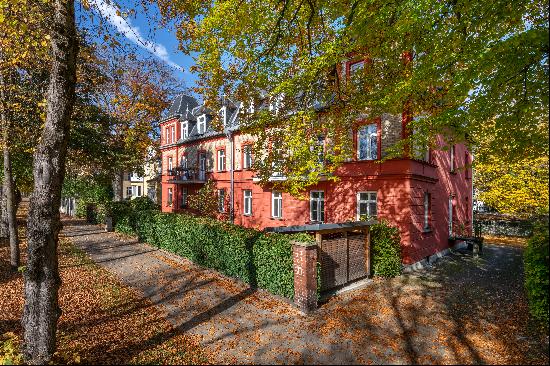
[
  {"x": 536, "y": 264},
  {"x": 386, "y": 250},
  {"x": 262, "y": 260}
]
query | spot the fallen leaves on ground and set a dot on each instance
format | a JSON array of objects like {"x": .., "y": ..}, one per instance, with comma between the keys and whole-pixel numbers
[{"x": 102, "y": 321}]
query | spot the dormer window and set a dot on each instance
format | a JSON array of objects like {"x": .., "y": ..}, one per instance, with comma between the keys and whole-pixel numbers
[
  {"x": 201, "y": 124},
  {"x": 251, "y": 108},
  {"x": 184, "y": 129},
  {"x": 223, "y": 115}
]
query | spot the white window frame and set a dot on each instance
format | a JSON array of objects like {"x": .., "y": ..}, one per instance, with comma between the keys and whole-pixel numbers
[
  {"x": 201, "y": 124},
  {"x": 247, "y": 156},
  {"x": 166, "y": 135},
  {"x": 427, "y": 203},
  {"x": 170, "y": 197},
  {"x": 202, "y": 165},
  {"x": 371, "y": 155},
  {"x": 450, "y": 215},
  {"x": 221, "y": 160},
  {"x": 129, "y": 192},
  {"x": 170, "y": 164},
  {"x": 184, "y": 129},
  {"x": 276, "y": 204},
  {"x": 452, "y": 158},
  {"x": 173, "y": 133},
  {"x": 223, "y": 115},
  {"x": 221, "y": 200},
  {"x": 247, "y": 202},
  {"x": 368, "y": 201},
  {"x": 184, "y": 196},
  {"x": 319, "y": 203},
  {"x": 183, "y": 162}
]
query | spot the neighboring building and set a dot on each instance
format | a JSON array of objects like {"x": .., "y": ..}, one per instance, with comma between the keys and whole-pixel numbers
[
  {"x": 428, "y": 198},
  {"x": 135, "y": 185}
]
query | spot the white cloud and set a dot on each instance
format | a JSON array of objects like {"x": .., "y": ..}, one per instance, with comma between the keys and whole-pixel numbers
[{"x": 124, "y": 26}]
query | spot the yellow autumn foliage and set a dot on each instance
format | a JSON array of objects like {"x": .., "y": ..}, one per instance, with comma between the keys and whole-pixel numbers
[{"x": 519, "y": 188}]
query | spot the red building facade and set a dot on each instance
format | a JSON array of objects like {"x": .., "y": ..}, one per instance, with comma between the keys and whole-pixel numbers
[{"x": 429, "y": 198}]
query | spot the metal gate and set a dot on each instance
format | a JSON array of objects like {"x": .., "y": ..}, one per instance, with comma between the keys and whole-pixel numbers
[{"x": 344, "y": 257}]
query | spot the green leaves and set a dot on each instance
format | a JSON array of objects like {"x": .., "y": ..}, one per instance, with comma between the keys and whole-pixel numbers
[
  {"x": 536, "y": 264},
  {"x": 386, "y": 250},
  {"x": 459, "y": 64},
  {"x": 262, "y": 260}
]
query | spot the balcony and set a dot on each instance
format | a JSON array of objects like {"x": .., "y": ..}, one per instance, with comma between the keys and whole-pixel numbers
[{"x": 181, "y": 175}]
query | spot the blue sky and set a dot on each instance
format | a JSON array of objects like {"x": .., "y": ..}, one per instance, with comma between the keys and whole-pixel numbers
[{"x": 141, "y": 30}]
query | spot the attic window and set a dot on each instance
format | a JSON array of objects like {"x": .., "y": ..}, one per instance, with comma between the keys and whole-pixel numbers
[
  {"x": 223, "y": 115},
  {"x": 201, "y": 124},
  {"x": 184, "y": 129}
]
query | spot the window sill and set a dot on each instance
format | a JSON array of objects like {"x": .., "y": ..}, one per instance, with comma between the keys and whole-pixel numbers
[
  {"x": 276, "y": 218},
  {"x": 427, "y": 230},
  {"x": 247, "y": 215}
]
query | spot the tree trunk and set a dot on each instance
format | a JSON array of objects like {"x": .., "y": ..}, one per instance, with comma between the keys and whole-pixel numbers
[
  {"x": 11, "y": 205},
  {"x": 4, "y": 229},
  {"x": 3, "y": 214},
  {"x": 42, "y": 280},
  {"x": 117, "y": 186}
]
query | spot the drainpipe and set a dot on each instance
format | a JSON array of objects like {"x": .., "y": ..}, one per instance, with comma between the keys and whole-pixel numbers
[
  {"x": 232, "y": 185},
  {"x": 229, "y": 133}
]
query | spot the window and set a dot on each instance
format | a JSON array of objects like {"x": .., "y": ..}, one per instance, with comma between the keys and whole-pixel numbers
[
  {"x": 355, "y": 67},
  {"x": 202, "y": 166},
  {"x": 170, "y": 165},
  {"x": 173, "y": 129},
  {"x": 183, "y": 197},
  {"x": 366, "y": 205},
  {"x": 452, "y": 158},
  {"x": 223, "y": 115},
  {"x": 201, "y": 124},
  {"x": 221, "y": 160},
  {"x": 467, "y": 168},
  {"x": 451, "y": 215},
  {"x": 221, "y": 200},
  {"x": 166, "y": 135},
  {"x": 247, "y": 157},
  {"x": 317, "y": 206},
  {"x": 184, "y": 129},
  {"x": 247, "y": 202},
  {"x": 129, "y": 176},
  {"x": 128, "y": 192},
  {"x": 276, "y": 204},
  {"x": 136, "y": 191},
  {"x": 170, "y": 197},
  {"x": 183, "y": 161},
  {"x": 427, "y": 204},
  {"x": 367, "y": 142}
]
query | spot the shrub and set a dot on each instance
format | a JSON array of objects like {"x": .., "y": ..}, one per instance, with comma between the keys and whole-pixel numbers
[
  {"x": 536, "y": 273},
  {"x": 143, "y": 203},
  {"x": 385, "y": 250},
  {"x": 260, "y": 259}
]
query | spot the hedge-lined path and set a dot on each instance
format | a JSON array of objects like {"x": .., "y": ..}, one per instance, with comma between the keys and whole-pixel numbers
[{"x": 464, "y": 310}]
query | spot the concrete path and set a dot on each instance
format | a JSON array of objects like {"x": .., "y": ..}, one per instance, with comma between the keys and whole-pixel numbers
[{"x": 443, "y": 315}]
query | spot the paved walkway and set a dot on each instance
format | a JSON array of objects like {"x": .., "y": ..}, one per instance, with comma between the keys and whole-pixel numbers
[{"x": 444, "y": 315}]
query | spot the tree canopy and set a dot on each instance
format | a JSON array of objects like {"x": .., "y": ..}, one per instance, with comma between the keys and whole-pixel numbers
[{"x": 461, "y": 65}]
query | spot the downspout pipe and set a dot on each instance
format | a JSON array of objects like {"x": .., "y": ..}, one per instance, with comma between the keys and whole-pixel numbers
[{"x": 229, "y": 132}]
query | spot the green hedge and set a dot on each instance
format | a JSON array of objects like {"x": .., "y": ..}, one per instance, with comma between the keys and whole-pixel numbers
[
  {"x": 385, "y": 250},
  {"x": 536, "y": 273},
  {"x": 262, "y": 260}
]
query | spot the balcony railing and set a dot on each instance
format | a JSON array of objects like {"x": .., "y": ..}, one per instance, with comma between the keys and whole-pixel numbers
[{"x": 182, "y": 175}]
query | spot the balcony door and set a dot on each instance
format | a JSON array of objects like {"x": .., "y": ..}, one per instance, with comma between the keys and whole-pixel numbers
[{"x": 202, "y": 166}]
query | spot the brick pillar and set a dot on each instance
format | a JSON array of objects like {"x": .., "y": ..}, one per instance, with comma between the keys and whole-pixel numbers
[{"x": 305, "y": 275}]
